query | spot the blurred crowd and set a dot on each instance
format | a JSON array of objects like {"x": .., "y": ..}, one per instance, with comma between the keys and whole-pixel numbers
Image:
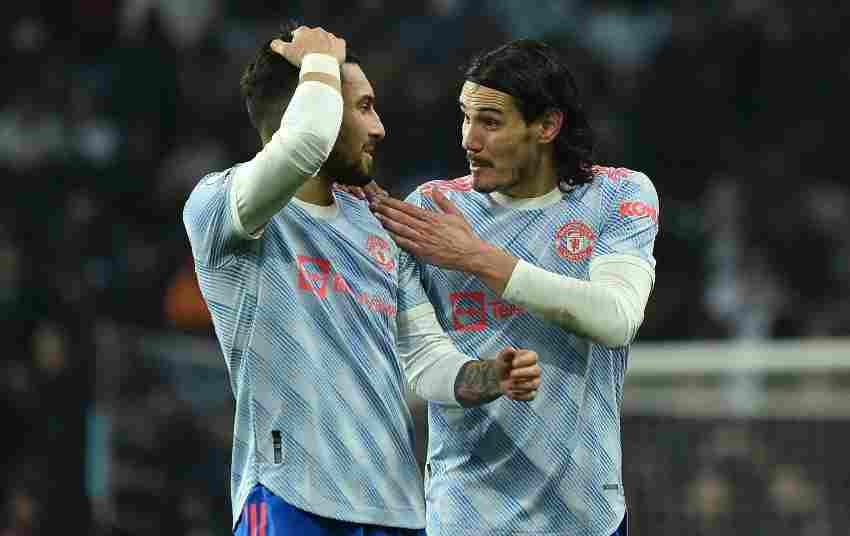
[
  {"x": 713, "y": 477},
  {"x": 112, "y": 110}
]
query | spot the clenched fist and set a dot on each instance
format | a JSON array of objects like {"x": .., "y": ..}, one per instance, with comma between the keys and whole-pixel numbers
[{"x": 519, "y": 374}]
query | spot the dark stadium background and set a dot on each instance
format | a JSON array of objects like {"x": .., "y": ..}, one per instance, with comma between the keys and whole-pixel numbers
[{"x": 117, "y": 411}]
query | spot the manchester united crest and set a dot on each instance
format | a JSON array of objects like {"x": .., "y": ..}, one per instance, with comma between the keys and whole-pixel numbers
[
  {"x": 379, "y": 249},
  {"x": 575, "y": 241}
]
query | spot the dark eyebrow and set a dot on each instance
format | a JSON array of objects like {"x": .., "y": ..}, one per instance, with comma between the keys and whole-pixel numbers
[{"x": 485, "y": 109}]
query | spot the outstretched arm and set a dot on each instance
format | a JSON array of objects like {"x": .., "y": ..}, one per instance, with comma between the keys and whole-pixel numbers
[{"x": 607, "y": 309}]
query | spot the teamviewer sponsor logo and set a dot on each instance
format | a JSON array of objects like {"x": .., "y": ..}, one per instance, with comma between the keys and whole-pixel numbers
[
  {"x": 316, "y": 276},
  {"x": 471, "y": 311}
]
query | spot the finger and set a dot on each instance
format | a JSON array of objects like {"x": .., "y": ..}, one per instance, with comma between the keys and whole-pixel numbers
[
  {"x": 523, "y": 396},
  {"x": 524, "y": 358},
  {"x": 443, "y": 202},
  {"x": 289, "y": 51},
  {"x": 374, "y": 190},
  {"x": 526, "y": 372},
  {"x": 411, "y": 210},
  {"x": 406, "y": 244},
  {"x": 340, "y": 45},
  {"x": 398, "y": 228},
  {"x": 526, "y": 385},
  {"x": 377, "y": 191},
  {"x": 399, "y": 216},
  {"x": 507, "y": 355}
]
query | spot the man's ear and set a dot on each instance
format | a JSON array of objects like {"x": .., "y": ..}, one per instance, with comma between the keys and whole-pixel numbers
[{"x": 550, "y": 125}]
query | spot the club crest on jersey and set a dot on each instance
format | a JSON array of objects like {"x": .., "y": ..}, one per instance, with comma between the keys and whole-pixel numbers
[
  {"x": 379, "y": 249},
  {"x": 574, "y": 241}
]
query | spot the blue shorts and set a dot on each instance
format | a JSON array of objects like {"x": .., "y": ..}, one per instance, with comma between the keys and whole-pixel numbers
[
  {"x": 266, "y": 514},
  {"x": 623, "y": 529}
]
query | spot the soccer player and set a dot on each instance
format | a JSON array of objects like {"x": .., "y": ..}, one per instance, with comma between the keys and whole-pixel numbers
[
  {"x": 536, "y": 248},
  {"x": 302, "y": 284}
]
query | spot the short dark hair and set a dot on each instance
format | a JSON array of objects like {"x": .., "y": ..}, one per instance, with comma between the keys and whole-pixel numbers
[
  {"x": 269, "y": 81},
  {"x": 538, "y": 79}
]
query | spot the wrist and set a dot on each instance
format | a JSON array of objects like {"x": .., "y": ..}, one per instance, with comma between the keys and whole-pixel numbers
[
  {"x": 492, "y": 265},
  {"x": 319, "y": 64},
  {"x": 481, "y": 258},
  {"x": 477, "y": 383}
]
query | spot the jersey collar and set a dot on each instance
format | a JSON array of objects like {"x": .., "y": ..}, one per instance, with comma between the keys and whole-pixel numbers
[
  {"x": 321, "y": 212},
  {"x": 528, "y": 203}
]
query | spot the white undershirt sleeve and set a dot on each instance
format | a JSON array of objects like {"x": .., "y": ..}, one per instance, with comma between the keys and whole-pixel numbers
[
  {"x": 430, "y": 359},
  {"x": 296, "y": 152},
  {"x": 607, "y": 309}
]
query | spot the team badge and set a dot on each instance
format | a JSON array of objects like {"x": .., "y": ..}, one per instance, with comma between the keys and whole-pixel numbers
[
  {"x": 379, "y": 249},
  {"x": 575, "y": 241}
]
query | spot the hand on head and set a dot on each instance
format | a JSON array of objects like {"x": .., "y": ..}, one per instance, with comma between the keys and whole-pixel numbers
[{"x": 306, "y": 40}]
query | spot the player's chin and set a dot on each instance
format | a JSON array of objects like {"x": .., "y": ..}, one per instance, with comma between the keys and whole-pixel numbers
[
  {"x": 358, "y": 178},
  {"x": 484, "y": 180}
]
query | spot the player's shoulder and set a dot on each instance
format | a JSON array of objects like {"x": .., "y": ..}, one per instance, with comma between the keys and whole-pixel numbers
[
  {"x": 211, "y": 182},
  {"x": 448, "y": 187},
  {"x": 611, "y": 177},
  {"x": 208, "y": 186},
  {"x": 628, "y": 192}
]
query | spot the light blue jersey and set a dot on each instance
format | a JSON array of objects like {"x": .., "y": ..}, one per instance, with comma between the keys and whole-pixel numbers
[
  {"x": 551, "y": 466},
  {"x": 306, "y": 319}
]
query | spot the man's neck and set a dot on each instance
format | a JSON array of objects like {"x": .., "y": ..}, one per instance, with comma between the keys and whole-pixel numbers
[
  {"x": 538, "y": 182},
  {"x": 316, "y": 191}
]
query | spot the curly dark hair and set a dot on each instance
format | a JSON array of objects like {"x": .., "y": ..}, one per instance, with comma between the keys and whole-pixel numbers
[
  {"x": 269, "y": 81},
  {"x": 538, "y": 79}
]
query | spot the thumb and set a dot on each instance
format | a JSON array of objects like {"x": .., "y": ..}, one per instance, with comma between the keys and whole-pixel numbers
[
  {"x": 506, "y": 355},
  {"x": 443, "y": 202},
  {"x": 291, "y": 53}
]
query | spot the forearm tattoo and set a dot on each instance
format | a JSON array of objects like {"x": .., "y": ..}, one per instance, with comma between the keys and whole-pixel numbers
[{"x": 477, "y": 383}]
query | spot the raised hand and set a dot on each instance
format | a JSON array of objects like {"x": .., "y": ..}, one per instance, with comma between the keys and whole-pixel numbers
[
  {"x": 441, "y": 238},
  {"x": 444, "y": 239},
  {"x": 306, "y": 40}
]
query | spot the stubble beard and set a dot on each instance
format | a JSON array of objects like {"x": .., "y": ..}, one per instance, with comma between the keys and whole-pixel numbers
[
  {"x": 349, "y": 173},
  {"x": 496, "y": 187}
]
